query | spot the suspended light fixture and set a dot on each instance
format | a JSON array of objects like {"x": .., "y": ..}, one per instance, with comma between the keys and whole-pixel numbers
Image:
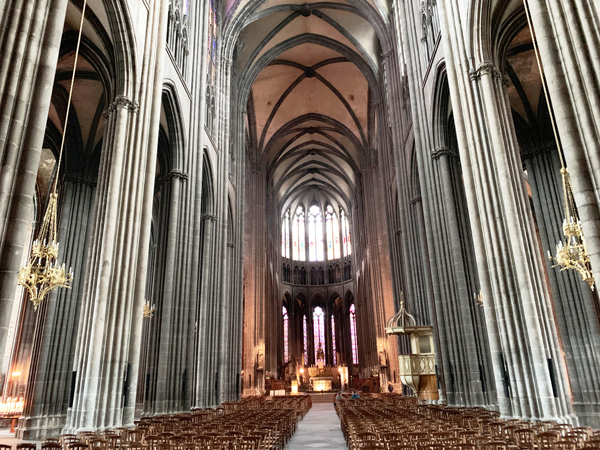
[
  {"x": 43, "y": 273},
  {"x": 148, "y": 310},
  {"x": 573, "y": 254}
]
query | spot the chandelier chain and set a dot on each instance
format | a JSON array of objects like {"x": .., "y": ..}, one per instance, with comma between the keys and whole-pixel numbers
[
  {"x": 544, "y": 86},
  {"x": 64, "y": 136}
]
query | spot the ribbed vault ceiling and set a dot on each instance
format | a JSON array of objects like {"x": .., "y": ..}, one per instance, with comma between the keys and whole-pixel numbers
[{"x": 312, "y": 67}]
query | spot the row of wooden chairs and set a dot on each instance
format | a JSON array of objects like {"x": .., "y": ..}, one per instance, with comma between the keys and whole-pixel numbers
[
  {"x": 394, "y": 422},
  {"x": 255, "y": 423}
]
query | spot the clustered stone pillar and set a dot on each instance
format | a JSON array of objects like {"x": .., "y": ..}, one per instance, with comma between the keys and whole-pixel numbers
[
  {"x": 108, "y": 348},
  {"x": 207, "y": 358},
  {"x": 463, "y": 352},
  {"x": 29, "y": 46},
  {"x": 171, "y": 331},
  {"x": 459, "y": 316},
  {"x": 576, "y": 314},
  {"x": 49, "y": 386},
  {"x": 254, "y": 282},
  {"x": 569, "y": 41},
  {"x": 528, "y": 366}
]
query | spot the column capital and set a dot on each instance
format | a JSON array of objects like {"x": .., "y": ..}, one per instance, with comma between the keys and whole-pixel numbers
[
  {"x": 532, "y": 152},
  {"x": 177, "y": 174},
  {"x": 121, "y": 102},
  {"x": 126, "y": 103},
  {"x": 485, "y": 68},
  {"x": 442, "y": 151}
]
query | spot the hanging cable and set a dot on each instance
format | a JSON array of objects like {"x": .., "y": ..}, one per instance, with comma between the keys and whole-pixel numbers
[
  {"x": 573, "y": 254},
  {"x": 42, "y": 273},
  {"x": 64, "y": 136}
]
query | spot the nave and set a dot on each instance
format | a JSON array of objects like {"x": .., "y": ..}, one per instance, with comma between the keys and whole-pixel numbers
[{"x": 371, "y": 422}]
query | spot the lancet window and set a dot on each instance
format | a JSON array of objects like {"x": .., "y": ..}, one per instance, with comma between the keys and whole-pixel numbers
[
  {"x": 326, "y": 235},
  {"x": 211, "y": 65},
  {"x": 333, "y": 340},
  {"x": 177, "y": 34},
  {"x": 319, "y": 332},
  {"x": 285, "y": 235},
  {"x": 315, "y": 234},
  {"x": 305, "y": 328},
  {"x": 346, "y": 244},
  {"x": 286, "y": 343},
  {"x": 332, "y": 228},
  {"x": 298, "y": 252},
  {"x": 353, "y": 340}
]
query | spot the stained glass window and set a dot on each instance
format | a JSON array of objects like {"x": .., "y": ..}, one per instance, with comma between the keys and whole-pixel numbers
[
  {"x": 212, "y": 43},
  {"x": 346, "y": 245},
  {"x": 298, "y": 251},
  {"x": 333, "y": 339},
  {"x": 353, "y": 334},
  {"x": 185, "y": 7},
  {"x": 305, "y": 341},
  {"x": 332, "y": 228},
  {"x": 319, "y": 331},
  {"x": 285, "y": 235},
  {"x": 315, "y": 234},
  {"x": 286, "y": 348}
]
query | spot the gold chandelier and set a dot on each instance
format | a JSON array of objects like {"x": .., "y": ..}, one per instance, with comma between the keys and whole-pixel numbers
[
  {"x": 573, "y": 254},
  {"x": 42, "y": 273},
  {"x": 148, "y": 311}
]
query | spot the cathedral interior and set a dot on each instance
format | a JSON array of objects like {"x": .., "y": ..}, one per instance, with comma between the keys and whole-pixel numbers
[{"x": 264, "y": 197}]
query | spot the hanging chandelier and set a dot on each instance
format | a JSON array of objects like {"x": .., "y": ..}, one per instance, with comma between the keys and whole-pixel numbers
[
  {"x": 573, "y": 254},
  {"x": 148, "y": 311},
  {"x": 43, "y": 273}
]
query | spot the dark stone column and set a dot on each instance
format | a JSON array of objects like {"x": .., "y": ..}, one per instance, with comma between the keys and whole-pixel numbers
[
  {"x": 29, "y": 46},
  {"x": 573, "y": 301},
  {"x": 51, "y": 372}
]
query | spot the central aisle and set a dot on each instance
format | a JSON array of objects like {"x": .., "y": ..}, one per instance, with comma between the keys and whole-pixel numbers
[{"x": 320, "y": 428}]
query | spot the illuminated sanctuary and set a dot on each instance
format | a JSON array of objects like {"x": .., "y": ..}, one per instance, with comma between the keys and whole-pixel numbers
[{"x": 215, "y": 201}]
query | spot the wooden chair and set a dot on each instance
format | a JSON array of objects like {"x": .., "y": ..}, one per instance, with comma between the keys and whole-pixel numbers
[
  {"x": 26, "y": 446},
  {"x": 495, "y": 445},
  {"x": 78, "y": 446},
  {"x": 525, "y": 437},
  {"x": 51, "y": 446}
]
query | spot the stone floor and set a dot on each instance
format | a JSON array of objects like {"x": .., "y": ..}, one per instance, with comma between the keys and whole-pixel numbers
[
  {"x": 8, "y": 438},
  {"x": 319, "y": 429}
]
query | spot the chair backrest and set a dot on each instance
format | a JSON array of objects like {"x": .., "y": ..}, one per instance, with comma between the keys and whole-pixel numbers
[
  {"x": 26, "y": 446},
  {"x": 51, "y": 446},
  {"x": 78, "y": 446}
]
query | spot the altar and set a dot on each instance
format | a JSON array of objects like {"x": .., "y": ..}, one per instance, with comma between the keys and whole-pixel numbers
[
  {"x": 321, "y": 377},
  {"x": 321, "y": 384}
]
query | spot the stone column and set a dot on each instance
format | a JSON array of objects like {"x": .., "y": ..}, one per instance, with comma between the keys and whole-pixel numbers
[
  {"x": 110, "y": 330},
  {"x": 50, "y": 373},
  {"x": 155, "y": 296},
  {"x": 174, "y": 333},
  {"x": 461, "y": 349},
  {"x": 569, "y": 42},
  {"x": 573, "y": 300},
  {"x": 254, "y": 280},
  {"x": 460, "y": 316},
  {"x": 29, "y": 46},
  {"x": 207, "y": 331},
  {"x": 521, "y": 327}
]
